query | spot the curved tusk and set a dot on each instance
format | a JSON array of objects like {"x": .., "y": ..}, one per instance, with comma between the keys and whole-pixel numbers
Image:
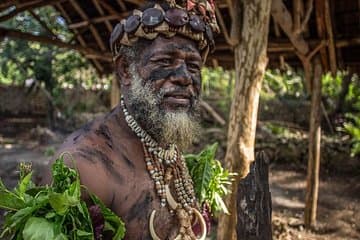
[
  {"x": 151, "y": 226},
  {"x": 170, "y": 199},
  {"x": 202, "y": 224}
]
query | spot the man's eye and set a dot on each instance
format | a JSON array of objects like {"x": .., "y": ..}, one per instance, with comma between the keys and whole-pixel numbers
[
  {"x": 194, "y": 67},
  {"x": 164, "y": 61}
]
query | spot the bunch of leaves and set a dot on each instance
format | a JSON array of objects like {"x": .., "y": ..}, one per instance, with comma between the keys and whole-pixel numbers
[
  {"x": 211, "y": 180},
  {"x": 54, "y": 212},
  {"x": 287, "y": 84},
  {"x": 352, "y": 127}
]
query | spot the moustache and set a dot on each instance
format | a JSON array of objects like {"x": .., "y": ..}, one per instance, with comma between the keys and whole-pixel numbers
[{"x": 178, "y": 91}]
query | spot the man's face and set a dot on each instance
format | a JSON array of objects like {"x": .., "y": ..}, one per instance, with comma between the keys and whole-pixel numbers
[
  {"x": 164, "y": 90},
  {"x": 172, "y": 68}
]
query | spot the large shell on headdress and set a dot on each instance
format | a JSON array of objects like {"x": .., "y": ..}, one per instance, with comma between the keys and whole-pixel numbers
[{"x": 176, "y": 17}]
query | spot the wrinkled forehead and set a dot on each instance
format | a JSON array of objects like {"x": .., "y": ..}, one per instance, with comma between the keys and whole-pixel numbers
[{"x": 177, "y": 44}]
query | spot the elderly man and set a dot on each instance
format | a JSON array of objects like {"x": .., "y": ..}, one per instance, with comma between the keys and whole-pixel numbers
[{"x": 131, "y": 158}]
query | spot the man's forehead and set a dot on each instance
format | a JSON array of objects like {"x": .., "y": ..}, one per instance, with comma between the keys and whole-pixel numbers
[{"x": 169, "y": 45}]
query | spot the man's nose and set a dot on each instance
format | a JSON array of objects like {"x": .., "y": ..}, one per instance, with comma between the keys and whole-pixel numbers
[{"x": 182, "y": 76}]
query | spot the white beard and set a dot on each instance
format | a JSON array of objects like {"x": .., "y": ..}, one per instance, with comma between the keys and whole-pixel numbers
[{"x": 179, "y": 127}]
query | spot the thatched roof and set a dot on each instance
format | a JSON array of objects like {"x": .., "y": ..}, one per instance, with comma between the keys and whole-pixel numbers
[{"x": 92, "y": 22}]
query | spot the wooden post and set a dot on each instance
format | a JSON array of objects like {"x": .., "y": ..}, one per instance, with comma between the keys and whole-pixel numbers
[
  {"x": 331, "y": 44},
  {"x": 254, "y": 212},
  {"x": 314, "y": 147},
  {"x": 250, "y": 63}
]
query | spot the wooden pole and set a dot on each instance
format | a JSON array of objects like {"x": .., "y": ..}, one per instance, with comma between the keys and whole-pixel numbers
[
  {"x": 331, "y": 44},
  {"x": 321, "y": 31},
  {"x": 314, "y": 148}
]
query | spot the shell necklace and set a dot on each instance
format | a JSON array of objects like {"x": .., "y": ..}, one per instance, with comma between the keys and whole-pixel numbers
[{"x": 166, "y": 167}]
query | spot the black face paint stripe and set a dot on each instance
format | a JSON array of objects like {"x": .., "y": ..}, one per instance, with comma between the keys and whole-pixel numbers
[{"x": 161, "y": 73}]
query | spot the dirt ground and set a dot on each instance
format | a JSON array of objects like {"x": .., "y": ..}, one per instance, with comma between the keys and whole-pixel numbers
[
  {"x": 338, "y": 215},
  {"x": 339, "y": 196}
]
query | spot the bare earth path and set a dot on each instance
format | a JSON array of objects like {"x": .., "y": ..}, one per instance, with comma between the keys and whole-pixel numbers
[{"x": 338, "y": 206}]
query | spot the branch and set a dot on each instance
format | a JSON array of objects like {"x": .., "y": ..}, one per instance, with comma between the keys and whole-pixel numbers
[
  {"x": 309, "y": 8},
  {"x": 10, "y": 3},
  {"x": 213, "y": 113},
  {"x": 283, "y": 17},
  {"x": 297, "y": 14},
  {"x": 42, "y": 23},
  {"x": 93, "y": 30},
  {"x": 31, "y": 5},
  {"x": 230, "y": 5},
  {"x": 322, "y": 44},
  {"x": 228, "y": 39},
  {"x": 11, "y": 33}
]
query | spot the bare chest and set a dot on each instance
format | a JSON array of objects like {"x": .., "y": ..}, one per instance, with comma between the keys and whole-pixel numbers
[{"x": 134, "y": 199}]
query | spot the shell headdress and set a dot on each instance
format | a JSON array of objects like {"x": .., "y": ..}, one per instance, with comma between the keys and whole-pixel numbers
[{"x": 194, "y": 19}]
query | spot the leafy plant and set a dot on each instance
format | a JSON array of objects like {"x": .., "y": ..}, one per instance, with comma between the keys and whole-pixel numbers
[
  {"x": 56, "y": 211},
  {"x": 353, "y": 129},
  {"x": 210, "y": 179},
  {"x": 278, "y": 83}
]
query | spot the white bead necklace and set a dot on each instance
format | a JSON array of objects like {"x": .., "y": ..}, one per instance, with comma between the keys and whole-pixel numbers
[{"x": 164, "y": 165}]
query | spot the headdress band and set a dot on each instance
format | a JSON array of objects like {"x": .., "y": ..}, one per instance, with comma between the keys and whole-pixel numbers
[{"x": 196, "y": 21}]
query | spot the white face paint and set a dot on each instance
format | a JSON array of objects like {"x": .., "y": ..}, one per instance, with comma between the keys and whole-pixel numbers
[{"x": 165, "y": 126}]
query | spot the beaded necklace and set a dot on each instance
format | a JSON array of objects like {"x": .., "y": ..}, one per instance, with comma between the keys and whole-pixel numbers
[{"x": 164, "y": 165}]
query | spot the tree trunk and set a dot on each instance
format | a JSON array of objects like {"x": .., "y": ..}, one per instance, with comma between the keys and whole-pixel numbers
[
  {"x": 250, "y": 63},
  {"x": 314, "y": 148},
  {"x": 254, "y": 212}
]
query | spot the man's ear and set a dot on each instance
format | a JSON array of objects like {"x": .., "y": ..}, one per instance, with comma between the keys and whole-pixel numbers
[{"x": 122, "y": 71}]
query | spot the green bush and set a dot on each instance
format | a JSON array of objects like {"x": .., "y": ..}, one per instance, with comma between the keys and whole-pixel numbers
[{"x": 352, "y": 127}]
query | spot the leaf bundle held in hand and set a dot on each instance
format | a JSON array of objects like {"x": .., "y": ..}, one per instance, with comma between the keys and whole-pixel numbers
[
  {"x": 211, "y": 180},
  {"x": 54, "y": 212}
]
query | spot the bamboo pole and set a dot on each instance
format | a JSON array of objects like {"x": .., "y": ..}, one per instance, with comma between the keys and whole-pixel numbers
[{"x": 313, "y": 169}]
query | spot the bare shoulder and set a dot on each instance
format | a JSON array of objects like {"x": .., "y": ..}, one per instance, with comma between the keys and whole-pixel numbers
[{"x": 86, "y": 152}]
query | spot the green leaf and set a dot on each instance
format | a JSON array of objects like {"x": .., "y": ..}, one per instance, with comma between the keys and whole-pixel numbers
[
  {"x": 24, "y": 184},
  {"x": 82, "y": 234},
  {"x": 61, "y": 202},
  {"x": 211, "y": 181},
  {"x": 9, "y": 200},
  {"x": 50, "y": 215},
  {"x": 202, "y": 171},
  {"x": 37, "y": 228},
  {"x": 61, "y": 236},
  {"x": 221, "y": 203}
]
